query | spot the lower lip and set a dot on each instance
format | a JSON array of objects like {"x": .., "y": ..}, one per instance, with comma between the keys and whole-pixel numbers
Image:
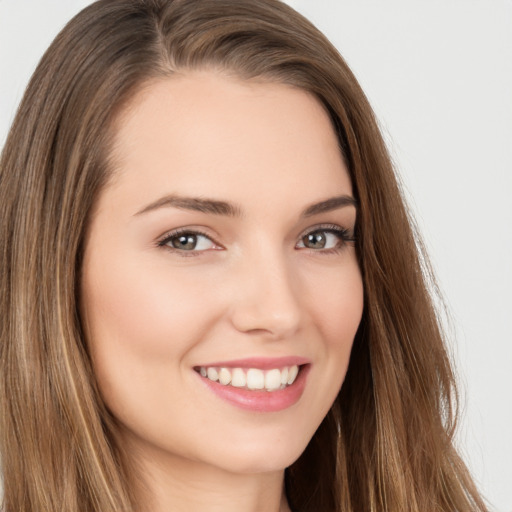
[{"x": 261, "y": 400}]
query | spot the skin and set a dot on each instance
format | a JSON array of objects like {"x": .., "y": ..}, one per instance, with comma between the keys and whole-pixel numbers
[{"x": 153, "y": 312}]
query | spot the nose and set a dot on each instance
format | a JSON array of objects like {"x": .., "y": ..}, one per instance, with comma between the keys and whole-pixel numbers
[{"x": 267, "y": 298}]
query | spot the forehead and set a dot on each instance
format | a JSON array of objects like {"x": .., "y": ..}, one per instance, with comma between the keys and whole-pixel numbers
[{"x": 206, "y": 134}]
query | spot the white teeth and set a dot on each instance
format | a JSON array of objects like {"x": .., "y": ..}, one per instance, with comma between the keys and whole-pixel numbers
[
  {"x": 284, "y": 377},
  {"x": 238, "y": 379},
  {"x": 224, "y": 376},
  {"x": 273, "y": 380},
  {"x": 252, "y": 378},
  {"x": 255, "y": 379},
  {"x": 212, "y": 374},
  {"x": 292, "y": 374}
]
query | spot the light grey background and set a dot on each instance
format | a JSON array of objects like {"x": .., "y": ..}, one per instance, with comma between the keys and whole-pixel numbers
[{"x": 439, "y": 75}]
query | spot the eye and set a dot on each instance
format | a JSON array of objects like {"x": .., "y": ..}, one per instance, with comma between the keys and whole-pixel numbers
[
  {"x": 188, "y": 241},
  {"x": 325, "y": 239}
]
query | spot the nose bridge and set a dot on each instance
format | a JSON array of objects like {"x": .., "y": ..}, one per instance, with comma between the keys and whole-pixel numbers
[{"x": 267, "y": 300}]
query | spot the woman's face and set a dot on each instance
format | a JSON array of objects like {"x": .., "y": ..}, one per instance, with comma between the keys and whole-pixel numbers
[{"x": 222, "y": 250}]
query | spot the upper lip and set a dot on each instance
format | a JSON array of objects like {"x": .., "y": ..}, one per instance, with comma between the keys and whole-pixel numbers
[{"x": 263, "y": 363}]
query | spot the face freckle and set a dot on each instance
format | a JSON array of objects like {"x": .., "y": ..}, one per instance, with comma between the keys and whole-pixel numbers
[{"x": 206, "y": 253}]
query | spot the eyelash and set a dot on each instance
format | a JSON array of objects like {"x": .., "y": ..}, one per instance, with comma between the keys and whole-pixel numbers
[
  {"x": 343, "y": 234},
  {"x": 168, "y": 237}
]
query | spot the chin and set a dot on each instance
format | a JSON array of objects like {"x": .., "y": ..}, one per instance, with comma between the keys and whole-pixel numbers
[{"x": 263, "y": 459}]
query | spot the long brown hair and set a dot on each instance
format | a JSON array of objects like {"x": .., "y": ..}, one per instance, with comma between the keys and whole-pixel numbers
[{"x": 386, "y": 444}]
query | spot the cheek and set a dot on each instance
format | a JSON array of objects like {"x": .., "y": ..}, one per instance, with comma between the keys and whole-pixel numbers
[
  {"x": 141, "y": 306},
  {"x": 336, "y": 300},
  {"x": 141, "y": 323},
  {"x": 337, "y": 309}
]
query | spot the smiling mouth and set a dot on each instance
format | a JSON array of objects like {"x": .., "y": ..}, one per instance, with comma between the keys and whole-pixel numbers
[{"x": 253, "y": 379}]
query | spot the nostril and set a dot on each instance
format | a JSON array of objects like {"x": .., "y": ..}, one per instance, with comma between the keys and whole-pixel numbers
[{"x": 266, "y": 319}]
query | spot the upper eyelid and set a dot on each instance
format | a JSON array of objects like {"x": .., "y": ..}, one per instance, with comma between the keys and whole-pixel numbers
[
  {"x": 163, "y": 242},
  {"x": 345, "y": 235},
  {"x": 328, "y": 227},
  {"x": 180, "y": 231}
]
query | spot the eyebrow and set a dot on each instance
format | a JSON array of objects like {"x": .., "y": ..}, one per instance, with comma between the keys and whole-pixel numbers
[
  {"x": 216, "y": 207},
  {"x": 198, "y": 204},
  {"x": 330, "y": 204}
]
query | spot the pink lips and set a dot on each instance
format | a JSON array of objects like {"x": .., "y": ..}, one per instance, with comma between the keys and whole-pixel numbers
[
  {"x": 263, "y": 363},
  {"x": 261, "y": 400}
]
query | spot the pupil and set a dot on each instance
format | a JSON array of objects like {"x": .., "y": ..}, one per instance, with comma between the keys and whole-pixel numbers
[
  {"x": 186, "y": 242},
  {"x": 315, "y": 240}
]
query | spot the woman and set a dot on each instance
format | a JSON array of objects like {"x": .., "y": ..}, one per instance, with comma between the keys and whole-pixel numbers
[{"x": 212, "y": 292}]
